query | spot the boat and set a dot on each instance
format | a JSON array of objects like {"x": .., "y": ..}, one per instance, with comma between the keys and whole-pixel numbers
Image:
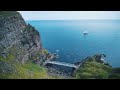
[{"x": 85, "y": 32}]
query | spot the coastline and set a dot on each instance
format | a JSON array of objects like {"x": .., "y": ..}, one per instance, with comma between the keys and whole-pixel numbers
[{"x": 96, "y": 59}]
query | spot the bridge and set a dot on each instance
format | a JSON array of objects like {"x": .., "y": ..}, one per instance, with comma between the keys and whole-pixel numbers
[{"x": 63, "y": 64}]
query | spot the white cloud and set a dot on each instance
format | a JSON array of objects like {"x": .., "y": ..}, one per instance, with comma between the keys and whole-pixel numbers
[{"x": 69, "y": 15}]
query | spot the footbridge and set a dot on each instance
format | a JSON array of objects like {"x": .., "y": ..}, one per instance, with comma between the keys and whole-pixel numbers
[{"x": 62, "y": 64}]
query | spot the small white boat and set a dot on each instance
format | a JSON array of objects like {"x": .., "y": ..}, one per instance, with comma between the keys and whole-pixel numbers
[{"x": 85, "y": 32}]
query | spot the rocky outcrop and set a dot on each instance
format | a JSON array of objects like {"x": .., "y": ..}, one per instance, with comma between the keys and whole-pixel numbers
[
  {"x": 18, "y": 38},
  {"x": 94, "y": 67},
  {"x": 98, "y": 57}
]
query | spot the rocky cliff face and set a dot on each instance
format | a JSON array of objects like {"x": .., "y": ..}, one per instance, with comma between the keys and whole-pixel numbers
[{"x": 18, "y": 38}]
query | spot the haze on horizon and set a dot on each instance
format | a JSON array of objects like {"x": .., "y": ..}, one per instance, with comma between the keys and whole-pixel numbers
[{"x": 70, "y": 15}]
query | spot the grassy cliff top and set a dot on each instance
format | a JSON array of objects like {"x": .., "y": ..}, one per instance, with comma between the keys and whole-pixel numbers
[{"x": 92, "y": 69}]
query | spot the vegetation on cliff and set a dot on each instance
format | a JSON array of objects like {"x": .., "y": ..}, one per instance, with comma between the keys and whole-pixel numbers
[
  {"x": 20, "y": 46},
  {"x": 13, "y": 70},
  {"x": 92, "y": 69}
]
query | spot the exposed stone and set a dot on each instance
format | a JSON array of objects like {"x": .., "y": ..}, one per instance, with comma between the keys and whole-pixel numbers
[
  {"x": 18, "y": 38},
  {"x": 6, "y": 68}
]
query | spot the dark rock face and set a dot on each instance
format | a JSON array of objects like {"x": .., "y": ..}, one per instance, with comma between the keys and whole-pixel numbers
[{"x": 18, "y": 38}]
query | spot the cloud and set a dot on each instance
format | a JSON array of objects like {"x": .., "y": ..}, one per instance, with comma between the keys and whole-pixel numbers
[{"x": 69, "y": 15}]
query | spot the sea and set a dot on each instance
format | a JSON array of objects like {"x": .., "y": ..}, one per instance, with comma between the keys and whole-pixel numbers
[{"x": 66, "y": 38}]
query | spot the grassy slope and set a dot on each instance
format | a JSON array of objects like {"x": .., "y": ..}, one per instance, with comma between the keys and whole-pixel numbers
[
  {"x": 26, "y": 71},
  {"x": 93, "y": 70}
]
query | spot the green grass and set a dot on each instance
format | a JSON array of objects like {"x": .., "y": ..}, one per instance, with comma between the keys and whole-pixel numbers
[
  {"x": 93, "y": 70},
  {"x": 44, "y": 51},
  {"x": 29, "y": 71},
  {"x": 9, "y": 59},
  {"x": 24, "y": 71}
]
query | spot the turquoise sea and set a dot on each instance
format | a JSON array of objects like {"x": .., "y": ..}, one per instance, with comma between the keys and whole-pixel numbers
[{"x": 66, "y": 38}]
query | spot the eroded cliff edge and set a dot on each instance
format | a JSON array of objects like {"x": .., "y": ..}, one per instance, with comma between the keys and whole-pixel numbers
[{"x": 18, "y": 38}]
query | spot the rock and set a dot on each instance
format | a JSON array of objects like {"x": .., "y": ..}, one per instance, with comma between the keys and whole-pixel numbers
[
  {"x": 6, "y": 68},
  {"x": 18, "y": 38}
]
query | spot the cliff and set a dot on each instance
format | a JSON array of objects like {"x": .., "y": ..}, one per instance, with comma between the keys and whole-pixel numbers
[
  {"x": 18, "y": 38},
  {"x": 20, "y": 46}
]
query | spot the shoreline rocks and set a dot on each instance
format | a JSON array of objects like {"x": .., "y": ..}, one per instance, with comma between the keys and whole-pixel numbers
[{"x": 57, "y": 73}]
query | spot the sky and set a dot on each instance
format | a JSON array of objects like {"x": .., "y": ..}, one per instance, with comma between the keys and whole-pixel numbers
[{"x": 69, "y": 15}]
